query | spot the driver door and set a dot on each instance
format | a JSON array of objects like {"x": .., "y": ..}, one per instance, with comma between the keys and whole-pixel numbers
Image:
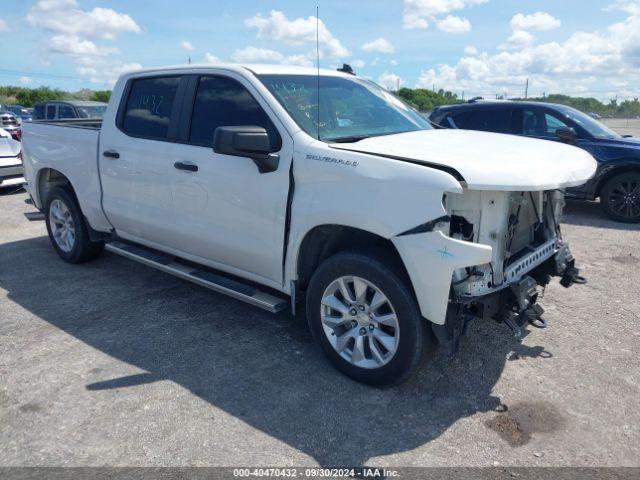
[{"x": 227, "y": 214}]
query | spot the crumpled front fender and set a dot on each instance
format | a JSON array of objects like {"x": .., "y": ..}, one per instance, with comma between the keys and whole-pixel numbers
[{"x": 430, "y": 259}]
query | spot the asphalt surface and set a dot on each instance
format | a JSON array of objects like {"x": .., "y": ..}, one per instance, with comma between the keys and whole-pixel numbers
[{"x": 112, "y": 363}]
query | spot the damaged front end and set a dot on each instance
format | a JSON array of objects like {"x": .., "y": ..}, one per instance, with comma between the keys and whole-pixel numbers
[{"x": 523, "y": 231}]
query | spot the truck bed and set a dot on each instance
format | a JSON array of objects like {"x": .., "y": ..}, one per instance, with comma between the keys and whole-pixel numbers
[
  {"x": 91, "y": 123},
  {"x": 71, "y": 148}
]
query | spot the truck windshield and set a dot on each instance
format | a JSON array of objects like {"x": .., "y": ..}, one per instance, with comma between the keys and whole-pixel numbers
[
  {"x": 91, "y": 112},
  {"x": 350, "y": 108}
]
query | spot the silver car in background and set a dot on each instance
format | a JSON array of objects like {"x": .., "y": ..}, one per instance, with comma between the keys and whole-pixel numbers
[{"x": 11, "y": 170}]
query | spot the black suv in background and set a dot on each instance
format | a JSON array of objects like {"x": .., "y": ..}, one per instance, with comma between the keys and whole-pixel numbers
[{"x": 617, "y": 180}]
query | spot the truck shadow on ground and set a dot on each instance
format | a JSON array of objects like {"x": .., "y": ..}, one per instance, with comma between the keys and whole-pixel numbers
[{"x": 262, "y": 369}]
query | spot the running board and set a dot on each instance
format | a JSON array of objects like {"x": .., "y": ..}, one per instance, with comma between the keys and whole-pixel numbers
[{"x": 201, "y": 276}]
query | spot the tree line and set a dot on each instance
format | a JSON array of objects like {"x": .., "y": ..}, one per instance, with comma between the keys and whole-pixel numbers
[
  {"x": 426, "y": 100},
  {"x": 28, "y": 97},
  {"x": 422, "y": 99}
]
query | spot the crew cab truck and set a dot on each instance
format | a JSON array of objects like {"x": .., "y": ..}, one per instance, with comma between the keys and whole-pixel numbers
[{"x": 283, "y": 186}]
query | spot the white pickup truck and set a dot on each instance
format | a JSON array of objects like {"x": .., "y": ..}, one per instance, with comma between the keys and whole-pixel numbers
[{"x": 283, "y": 185}]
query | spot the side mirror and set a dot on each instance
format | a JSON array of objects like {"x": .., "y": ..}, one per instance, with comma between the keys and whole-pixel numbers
[
  {"x": 252, "y": 142},
  {"x": 567, "y": 134}
]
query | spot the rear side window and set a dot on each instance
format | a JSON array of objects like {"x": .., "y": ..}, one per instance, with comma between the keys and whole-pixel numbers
[
  {"x": 51, "y": 112},
  {"x": 224, "y": 102},
  {"x": 38, "y": 112},
  {"x": 66, "y": 111},
  {"x": 487, "y": 120},
  {"x": 150, "y": 106}
]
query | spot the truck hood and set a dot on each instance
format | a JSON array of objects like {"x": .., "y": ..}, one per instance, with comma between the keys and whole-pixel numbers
[{"x": 486, "y": 161}]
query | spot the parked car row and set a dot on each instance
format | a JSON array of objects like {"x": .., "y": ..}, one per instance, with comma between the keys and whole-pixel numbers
[
  {"x": 12, "y": 117},
  {"x": 617, "y": 180},
  {"x": 11, "y": 170}
]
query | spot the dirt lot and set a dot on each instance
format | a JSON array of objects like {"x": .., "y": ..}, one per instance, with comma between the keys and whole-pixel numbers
[{"x": 113, "y": 363}]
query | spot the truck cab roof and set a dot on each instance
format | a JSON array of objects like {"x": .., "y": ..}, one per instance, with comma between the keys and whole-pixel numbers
[{"x": 258, "y": 69}]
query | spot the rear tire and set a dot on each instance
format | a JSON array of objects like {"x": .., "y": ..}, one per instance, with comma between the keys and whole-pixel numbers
[
  {"x": 67, "y": 228},
  {"x": 620, "y": 198},
  {"x": 381, "y": 353}
]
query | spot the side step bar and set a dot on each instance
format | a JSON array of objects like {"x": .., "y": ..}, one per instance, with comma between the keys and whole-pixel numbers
[{"x": 206, "y": 278}]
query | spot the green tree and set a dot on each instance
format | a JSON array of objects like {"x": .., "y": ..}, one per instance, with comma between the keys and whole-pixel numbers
[{"x": 101, "y": 96}]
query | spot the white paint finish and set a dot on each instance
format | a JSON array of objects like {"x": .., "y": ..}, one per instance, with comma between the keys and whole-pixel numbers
[
  {"x": 228, "y": 216},
  {"x": 430, "y": 259},
  {"x": 138, "y": 186},
  {"x": 489, "y": 161},
  {"x": 8, "y": 146},
  {"x": 379, "y": 195},
  {"x": 73, "y": 152}
]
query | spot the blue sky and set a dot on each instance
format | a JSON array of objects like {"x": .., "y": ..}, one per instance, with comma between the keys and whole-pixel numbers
[{"x": 481, "y": 47}]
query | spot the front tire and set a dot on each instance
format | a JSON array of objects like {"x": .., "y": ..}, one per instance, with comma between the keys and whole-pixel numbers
[
  {"x": 67, "y": 228},
  {"x": 362, "y": 313},
  {"x": 620, "y": 198}
]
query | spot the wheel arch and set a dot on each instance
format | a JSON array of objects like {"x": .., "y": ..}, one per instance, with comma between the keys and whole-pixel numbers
[
  {"x": 47, "y": 178},
  {"x": 324, "y": 241},
  {"x": 615, "y": 171}
]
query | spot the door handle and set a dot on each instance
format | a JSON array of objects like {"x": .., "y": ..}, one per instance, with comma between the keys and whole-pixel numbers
[
  {"x": 188, "y": 166},
  {"x": 111, "y": 154}
]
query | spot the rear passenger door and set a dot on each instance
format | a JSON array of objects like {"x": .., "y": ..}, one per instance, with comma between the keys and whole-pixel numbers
[
  {"x": 136, "y": 155},
  {"x": 228, "y": 214},
  {"x": 52, "y": 111}
]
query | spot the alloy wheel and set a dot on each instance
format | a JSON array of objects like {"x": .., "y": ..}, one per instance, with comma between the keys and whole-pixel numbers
[
  {"x": 360, "y": 322},
  {"x": 62, "y": 225}
]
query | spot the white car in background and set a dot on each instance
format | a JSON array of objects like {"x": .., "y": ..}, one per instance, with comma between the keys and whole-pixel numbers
[{"x": 11, "y": 170}]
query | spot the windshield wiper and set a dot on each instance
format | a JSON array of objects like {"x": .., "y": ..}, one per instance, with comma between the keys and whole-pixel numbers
[{"x": 350, "y": 139}]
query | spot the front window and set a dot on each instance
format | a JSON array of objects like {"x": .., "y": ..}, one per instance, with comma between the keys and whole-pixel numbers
[
  {"x": 592, "y": 126},
  {"x": 91, "y": 112},
  {"x": 350, "y": 108}
]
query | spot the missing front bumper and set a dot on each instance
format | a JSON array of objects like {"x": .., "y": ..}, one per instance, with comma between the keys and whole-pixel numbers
[{"x": 515, "y": 305}]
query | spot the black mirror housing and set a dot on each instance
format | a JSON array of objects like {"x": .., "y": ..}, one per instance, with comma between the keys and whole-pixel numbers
[
  {"x": 241, "y": 141},
  {"x": 246, "y": 141},
  {"x": 567, "y": 134}
]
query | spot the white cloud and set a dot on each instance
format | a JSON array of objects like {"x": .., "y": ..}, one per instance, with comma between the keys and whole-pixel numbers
[
  {"x": 470, "y": 50},
  {"x": 453, "y": 24},
  {"x": 630, "y": 6},
  {"x": 255, "y": 54},
  {"x": 63, "y": 16},
  {"x": 25, "y": 80},
  {"x": 76, "y": 31},
  {"x": 519, "y": 38},
  {"x": 301, "y": 60},
  {"x": 75, "y": 46},
  {"x": 390, "y": 81},
  {"x": 393, "y": 62},
  {"x": 538, "y": 21},
  {"x": 263, "y": 55},
  {"x": 3, "y": 26},
  {"x": 569, "y": 66},
  {"x": 298, "y": 31},
  {"x": 420, "y": 13},
  {"x": 211, "y": 58},
  {"x": 378, "y": 45},
  {"x": 104, "y": 71},
  {"x": 186, "y": 45},
  {"x": 357, "y": 63}
]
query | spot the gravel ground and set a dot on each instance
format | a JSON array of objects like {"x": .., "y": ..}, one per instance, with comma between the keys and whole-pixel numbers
[{"x": 114, "y": 364}]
